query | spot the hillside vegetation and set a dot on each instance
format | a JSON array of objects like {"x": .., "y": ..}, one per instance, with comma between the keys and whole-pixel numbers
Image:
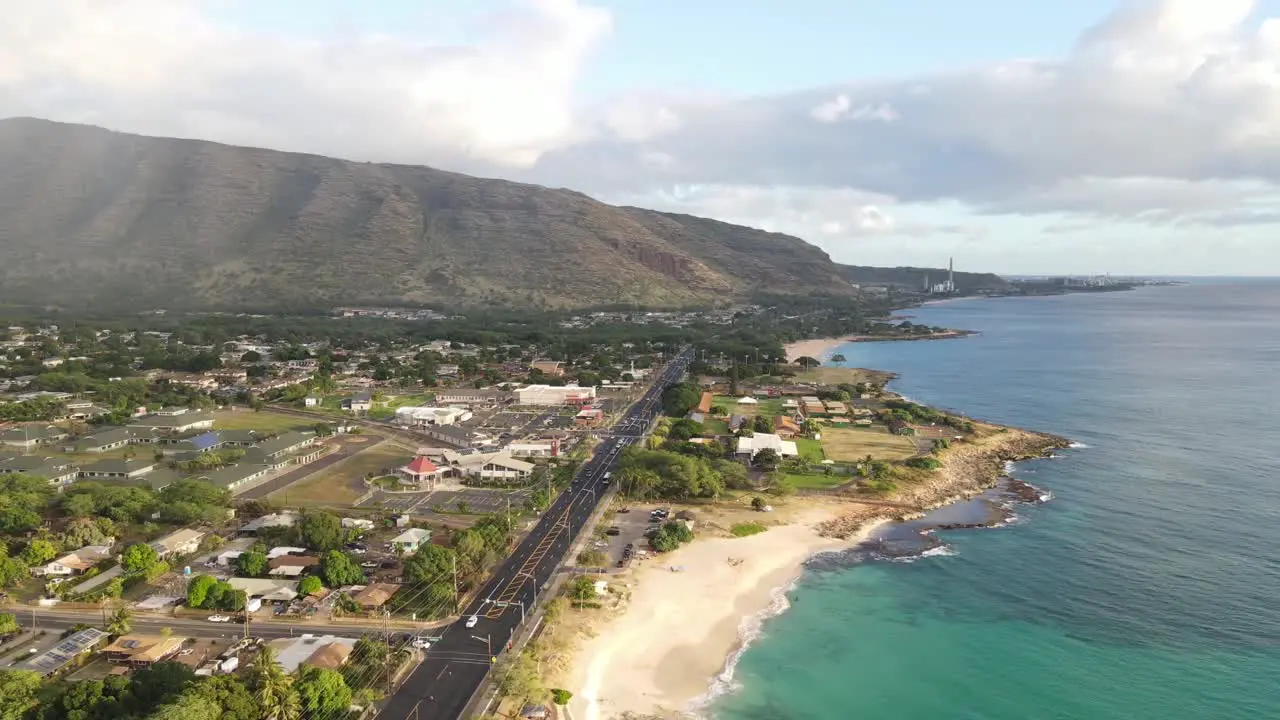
[{"x": 91, "y": 217}]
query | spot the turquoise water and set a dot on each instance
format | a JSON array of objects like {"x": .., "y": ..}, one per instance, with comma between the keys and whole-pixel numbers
[{"x": 1149, "y": 587}]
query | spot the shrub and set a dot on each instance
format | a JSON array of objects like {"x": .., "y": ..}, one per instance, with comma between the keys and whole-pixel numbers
[
  {"x": 924, "y": 463},
  {"x": 746, "y": 529},
  {"x": 561, "y": 697}
]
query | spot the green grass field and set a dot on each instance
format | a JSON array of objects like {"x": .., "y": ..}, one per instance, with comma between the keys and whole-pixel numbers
[
  {"x": 264, "y": 420},
  {"x": 810, "y": 449},
  {"x": 771, "y": 407},
  {"x": 853, "y": 444},
  {"x": 342, "y": 483},
  {"x": 716, "y": 426}
]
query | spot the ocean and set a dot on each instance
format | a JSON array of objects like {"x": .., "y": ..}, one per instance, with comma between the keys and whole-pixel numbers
[{"x": 1148, "y": 587}]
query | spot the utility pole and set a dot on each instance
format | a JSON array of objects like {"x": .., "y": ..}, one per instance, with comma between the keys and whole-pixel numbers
[
  {"x": 454, "y": 563},
  {"x": 386, "y": 637}
]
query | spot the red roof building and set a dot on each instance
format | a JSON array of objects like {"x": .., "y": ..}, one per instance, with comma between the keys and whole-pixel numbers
[{"x": 421, "y": 472}]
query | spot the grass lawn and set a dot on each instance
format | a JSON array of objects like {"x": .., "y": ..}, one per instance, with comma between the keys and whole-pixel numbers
[
  {"x": 342, "y": 483},
  {"x": 771, "y": 407},
  {"x": 811, "y": 449},
  {"x": 837, "y": 375},
  {"x": 716, "y": 426},
  {"x": 746, "y": 529},
  {"x": 263, "y": 420},
  {"x": 853, "y": 444},
  {"x": 817, "y": 480}
]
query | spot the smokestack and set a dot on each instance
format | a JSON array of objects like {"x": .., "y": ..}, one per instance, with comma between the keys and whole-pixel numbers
[{"x": 951, "y": 272}]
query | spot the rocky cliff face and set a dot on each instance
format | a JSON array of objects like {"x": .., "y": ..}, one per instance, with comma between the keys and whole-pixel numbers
[{"x": 90, "y": 217}]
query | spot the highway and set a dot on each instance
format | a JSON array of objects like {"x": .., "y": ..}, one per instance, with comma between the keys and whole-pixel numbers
[
  {"x": 192, "y": 627},
  {"x": 456, "y": 665}
]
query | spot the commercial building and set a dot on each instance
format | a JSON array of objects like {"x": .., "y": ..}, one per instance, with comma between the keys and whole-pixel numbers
[
  {"x": 555, "y": 395},
  {"x": 421, "y": 416},
  {"x": 750, "y": 446}
]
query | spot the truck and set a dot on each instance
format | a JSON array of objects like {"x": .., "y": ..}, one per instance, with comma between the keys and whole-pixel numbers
[{"x": 253, "y": 605}]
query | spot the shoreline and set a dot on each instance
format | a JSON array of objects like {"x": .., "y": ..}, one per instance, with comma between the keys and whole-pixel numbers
[
  {"x": 822, "y": 348},
  {"x": 674, "y": 647}
]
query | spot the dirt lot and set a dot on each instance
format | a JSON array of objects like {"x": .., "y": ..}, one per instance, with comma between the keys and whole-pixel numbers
[
  {"x": 837, "y": 375},
  {"x": 852, "y": 444},
  {"x": 263, "y": 420},
  {"x": 342, "y": 484}
]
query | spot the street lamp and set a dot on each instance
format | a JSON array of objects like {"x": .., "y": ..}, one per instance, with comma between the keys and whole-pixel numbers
[{"x": 487, "y": 643}]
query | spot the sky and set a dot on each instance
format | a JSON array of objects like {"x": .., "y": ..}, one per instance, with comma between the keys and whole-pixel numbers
[{"x": 1019, "y": 137}]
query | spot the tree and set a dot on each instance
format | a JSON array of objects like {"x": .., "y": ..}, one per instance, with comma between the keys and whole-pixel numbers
[
  {"x": 733, "y": 474},
  {"x": 560, "y": 696},
  {"x": 8, "y": 624},
  {"x": 228, "y": 693},
  {"x": 758, "y": 504},
  {"x": 78, "y": 505},
  {"x": 160, "y": 682},
  {"x": 138, "y": 558},
  {"x": 680, "y": 398},
  {"x": 120, "y": 622},
  {"x": 12, "y": 570},
  {"x": 518, "y": 676},
  {"x": 320, "y": 530},
  {"x": 310, "y": 585},
  {"x": 252, "y": 564},
  {"x": 807, "y": 362},
  {"x": 837, "y": 358},
  {"x": 762, "y": 424},
  {"x": 38, "y": 552},
  {"x": 252, "y": 356},
  {"x": 198, "y": 590},
  {"x": 322, "y": 692},
  {"x": 19, "y": 689},
  {"x": 582, "y": 588},
  {"x": 766, "y": 459},
  {"x": 189, "y": 706},
  {"x": 272, "y": 688},
  {"x": 338, "y": 569}
]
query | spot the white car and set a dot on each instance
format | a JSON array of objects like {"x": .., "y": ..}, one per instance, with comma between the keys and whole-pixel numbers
[
  {"x": 421, "y": 643},
  {"x": 219, "y": 618},
  {"x": 471, "y": 621}
]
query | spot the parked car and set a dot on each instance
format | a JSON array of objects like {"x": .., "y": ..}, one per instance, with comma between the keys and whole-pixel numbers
[
  {"x": 368, "y": 564},
  {"x": 421, "y": 643},
  {"x": 471, "y": 621},
  {"x": 219, "y": 618},
  {"x": 615, "y": 530}
]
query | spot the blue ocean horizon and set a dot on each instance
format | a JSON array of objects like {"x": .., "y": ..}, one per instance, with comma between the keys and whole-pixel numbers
[{"x": 1145, "y": 589}]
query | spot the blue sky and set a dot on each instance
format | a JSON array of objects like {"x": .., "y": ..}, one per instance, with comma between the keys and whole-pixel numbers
[{"x": 1117, "y": 136}]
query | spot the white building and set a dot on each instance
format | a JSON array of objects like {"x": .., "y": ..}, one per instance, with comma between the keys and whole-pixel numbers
[
  {"x": 766, "y": 441},
  {"x": 410, "y": 540},
  {"x": 488, "y": 466},
  {"x": 549, "y": 448},
  {"x": 421, "y": 416},
  {"x": 554, "y": 395}
]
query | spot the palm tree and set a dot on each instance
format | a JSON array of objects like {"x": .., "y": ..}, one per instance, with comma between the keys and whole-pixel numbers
[
  {"x": 272, "y": 688},
  {"x": 119, "y": 624}
]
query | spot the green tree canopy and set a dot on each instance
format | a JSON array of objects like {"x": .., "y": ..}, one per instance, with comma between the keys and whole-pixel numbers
[
  {"x": 252, "y": 564},
  {"x": 338, "y": 569},
  {"x": 322, "y": 692},
  {"x": 310, "y": 585},
  {"x": 320, "y": 530},
  {"x": 138, "y": 558}
]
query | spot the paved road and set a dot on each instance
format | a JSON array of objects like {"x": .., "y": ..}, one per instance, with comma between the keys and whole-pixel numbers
[
  {"x": 456, "y": 666},
  {"x": 347, "y": 446}
]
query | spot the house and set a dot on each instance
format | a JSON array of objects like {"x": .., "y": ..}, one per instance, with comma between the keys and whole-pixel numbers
[
  {"x": 750, "y": 446},
  {"x": 835, "y": 408},
  {"x": 451, "y": 435},
  {"x": 62, "y": 654},
  {"x": 554, "y": 395},
  {"x": 421, "y": 472},
  {"x": 785, "y": 428},
  {"x": 488, "y": 466},
  {"x": 235, "y": 476},
  {"x": 58, "y": 471},
  {"x": 203, "y": 442},
  {"x": 291, "y": 565},
  {"x": 294, "y": 652},
  {"x": 267, "y": 589},
  {"x": 548, "y": 367},
  {"x": 285, "y": 444},
  {"x": 171, "y": 421},
  {"x": 142, "y": 650},
  {"x": 360, "y": 402},
  {"x": 311, "y": 401},
  {"x": 462, "y": 396},
  {"x": 112, "y": 469},
  {"x": 181, "y": 542},
  {"x": 589, "y": 416},
  {"x": 422, "y": 416},
  {"x": 75, "y": 563},
  {"x": 408, "y": 541},
  {"x": 27, "y": 437},
  {"x": 240, "y": 438},
  {"x": 104, "y": 440},
  {"x": 84, "y": 410},
  {"x": 375, "y": 596}
]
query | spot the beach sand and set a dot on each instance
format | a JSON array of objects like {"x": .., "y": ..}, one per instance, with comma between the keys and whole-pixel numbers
[
  {"x": 816, "y": 348},
  {"x": 664, "y": 651}
]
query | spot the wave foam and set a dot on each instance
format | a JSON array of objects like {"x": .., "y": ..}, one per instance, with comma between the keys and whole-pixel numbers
[
  {"x": 935, "y": 551},
  {"x": 750, "y": 628},
  {"x": 1078, "y": 446}
]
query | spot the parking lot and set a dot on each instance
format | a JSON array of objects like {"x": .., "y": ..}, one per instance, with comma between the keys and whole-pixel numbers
[{"x": 632, "y": 526}]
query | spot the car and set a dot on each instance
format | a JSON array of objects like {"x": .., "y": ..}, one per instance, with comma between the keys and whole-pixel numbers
[
  {"x": 219, "y": 618},
  {"x": 185, "y": 652},
  {"x": 623, "y": 510},
  {"x": 471, "y": 621},
  {"x": 369, "y": 564},
  {"x": 615, "y": 530},
  {"x": 421, "y": 643}
]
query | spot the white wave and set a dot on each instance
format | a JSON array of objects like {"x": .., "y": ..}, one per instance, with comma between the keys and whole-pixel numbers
[
  {"x": 1045, "y": 496},
  {"x": 1078, "y": 445},
  {"x": 750, "y": 628},
  {"x": 1009, "y": 467},
  {"x": 936, "y": 551}
]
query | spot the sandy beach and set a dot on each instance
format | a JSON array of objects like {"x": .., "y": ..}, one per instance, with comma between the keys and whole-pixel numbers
[
  {"x": 673, "y": 640},
  {"x": 816, "y": 348}
]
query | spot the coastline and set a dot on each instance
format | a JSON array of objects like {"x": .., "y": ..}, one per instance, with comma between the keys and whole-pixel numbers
[
  {"x": 822, "y": 348},
  {"x": 674, "y": 646}
]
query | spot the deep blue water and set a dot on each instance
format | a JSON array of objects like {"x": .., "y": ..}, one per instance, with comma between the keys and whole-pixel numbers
[{"x": 1149, "y": 587}]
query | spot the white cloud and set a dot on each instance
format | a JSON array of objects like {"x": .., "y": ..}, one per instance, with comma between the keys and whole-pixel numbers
[
  {"x": 1165, "y": 113},
  {"x": 163, "y": 67}
]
